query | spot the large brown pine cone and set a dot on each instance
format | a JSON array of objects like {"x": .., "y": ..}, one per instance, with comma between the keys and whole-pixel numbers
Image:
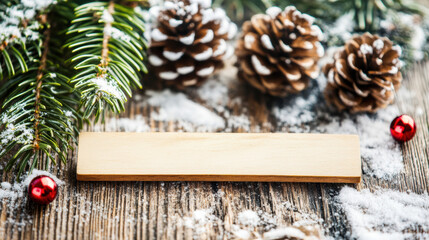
[
  {"x": 188, "y": 42},
  {"x": 278, "y": 51},
  {"x": 364, "y": 75}
]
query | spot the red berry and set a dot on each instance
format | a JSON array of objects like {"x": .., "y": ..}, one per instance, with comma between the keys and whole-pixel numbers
[
  {"x": 42, "y": 189},
  {"x": 403, "y": 128}
]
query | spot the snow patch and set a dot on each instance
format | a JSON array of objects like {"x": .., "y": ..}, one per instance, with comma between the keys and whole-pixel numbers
[
  {"x": 221, "y": 48},
  {"x": 386, "y": 214},
  {"x": 136, "y": 124},
  {"x": 172, "y": 56},
  {"x": 155, "y": 61},
  {"x": 158, "y": 36},
  {"x": 107, "y": 87},
  {"x": 107, "y": 16},
  {"x": 117, "y": 34},
  {"x": 208, "y": 37},
  {"x": 205, "y": 71},
  {"x": 188, "y": 114},
  {"x": 188, "y": 40},
  {"x": 248, "y": 218},
  {"x": 366, "y": 49},
  {"x": 204, "y": 55},
  {"x": 261, "y": 69},
  {"x": 168, "y": 75},
  {"x": 266, "y": 42},
  {"x": 174, "y": 22},
  {"x": 11, "y": 29},
  {"x": 273, "y": 12},
  {"x": 185, "y": 70},
  {"x": 378, "y": 45}
]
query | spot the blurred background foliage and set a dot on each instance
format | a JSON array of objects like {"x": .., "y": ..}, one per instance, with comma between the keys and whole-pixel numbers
[
  {"x": 403, "y": 21},
  {"x": 366, "y": 13}
]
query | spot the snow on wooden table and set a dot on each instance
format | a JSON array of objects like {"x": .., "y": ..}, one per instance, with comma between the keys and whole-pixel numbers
[{"x": 224, "y": 210}]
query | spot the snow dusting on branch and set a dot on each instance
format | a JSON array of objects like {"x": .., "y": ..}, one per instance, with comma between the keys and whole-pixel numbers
[{"x": 18, "y": 22}]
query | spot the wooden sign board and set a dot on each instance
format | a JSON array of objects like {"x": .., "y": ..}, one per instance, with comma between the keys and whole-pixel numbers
[{"x": 241, "y": 157}]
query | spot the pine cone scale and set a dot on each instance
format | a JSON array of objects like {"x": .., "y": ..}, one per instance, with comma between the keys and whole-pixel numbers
[
  {"x": 360, "y": 91},
  {"x": 342, "y": 69},
  {"x": 351, "y": 60},
  {"x": 270, "y": 83},
  {"x": 252, "y": 44},
  {"x": 259, "y": 24},
  {"x": 349, "y": 99},
  {"x": 380, "y": 82},
  {"x": 204, "y": 36},
  {"x": 305, "y": 63},
  {"x": 292, "y": 73}
]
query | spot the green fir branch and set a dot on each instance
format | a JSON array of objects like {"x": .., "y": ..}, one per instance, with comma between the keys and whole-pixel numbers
[
  {"x": 14, "y": 58},
  {"x": 14, "y": 54},
  {"x": 109, "y": 61},
  {"x": 38, "y": 116}
]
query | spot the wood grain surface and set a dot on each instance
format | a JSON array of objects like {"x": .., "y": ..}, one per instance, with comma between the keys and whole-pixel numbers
[
  {"x": 153, "y": 210},
  {"x": 219, "y": 157}
]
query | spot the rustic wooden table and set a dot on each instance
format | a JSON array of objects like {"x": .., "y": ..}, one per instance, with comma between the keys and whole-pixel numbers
[{"x": 149, "y": 210}]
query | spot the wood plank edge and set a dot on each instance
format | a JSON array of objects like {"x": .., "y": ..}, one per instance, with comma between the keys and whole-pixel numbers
[{"x": 215, "y": 178}]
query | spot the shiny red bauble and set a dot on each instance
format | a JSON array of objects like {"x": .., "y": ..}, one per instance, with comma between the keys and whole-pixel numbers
[
  {"x": 403, "y": 128},
  {"x": 42, "y": 189}
]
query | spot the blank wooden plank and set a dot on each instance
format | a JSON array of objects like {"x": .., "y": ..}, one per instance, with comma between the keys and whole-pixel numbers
[{"x": 263, "y": 157}]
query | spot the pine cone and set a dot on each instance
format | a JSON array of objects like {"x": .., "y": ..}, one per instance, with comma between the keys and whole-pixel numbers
[
  {"x": 189, "y": 41},
  {"x": 300, "y": 231},
  {"x": 278, "y": 52},
  {"x": 364, "y": 75}
]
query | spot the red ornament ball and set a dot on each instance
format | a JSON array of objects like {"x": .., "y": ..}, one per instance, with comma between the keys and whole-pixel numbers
[
  {"x": 42, "y": 189},
  {"x": 403, "y": 128}
]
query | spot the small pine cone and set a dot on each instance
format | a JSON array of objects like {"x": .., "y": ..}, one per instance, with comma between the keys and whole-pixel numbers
[
  {"x": 278, "y": 52},
  {"x": 364, "y": 75},
  {"x": 303, "y": 231},
  {"x": 188, "y": 43}
]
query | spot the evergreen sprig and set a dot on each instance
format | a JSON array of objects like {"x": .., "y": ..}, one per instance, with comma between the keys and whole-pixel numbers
[
  {"x": 109, "y": 61},
  {"x": 14, "y": 58},
  {"x": 38, "y": 115},
  {"x": 14, "y": 54}
]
